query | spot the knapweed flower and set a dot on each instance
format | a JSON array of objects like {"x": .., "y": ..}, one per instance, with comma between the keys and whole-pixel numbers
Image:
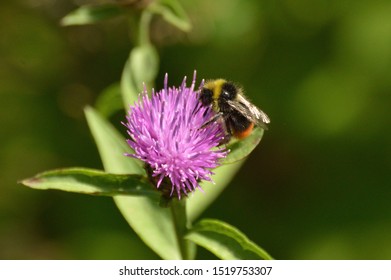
[{"x": 167, "y": 133}]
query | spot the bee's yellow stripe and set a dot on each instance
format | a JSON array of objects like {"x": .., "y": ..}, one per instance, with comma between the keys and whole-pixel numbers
[
  {"x": 216, "y": 87},
  {"x": 218, "y": 84}
]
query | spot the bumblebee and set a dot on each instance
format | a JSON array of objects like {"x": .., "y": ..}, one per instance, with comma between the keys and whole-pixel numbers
[{"x": 239, "y": 115}]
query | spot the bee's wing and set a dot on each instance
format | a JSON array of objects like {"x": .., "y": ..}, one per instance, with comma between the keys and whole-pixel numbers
[{"x": 250, "y": 111}]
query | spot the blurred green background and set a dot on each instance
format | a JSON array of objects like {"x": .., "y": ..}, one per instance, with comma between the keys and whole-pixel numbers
[{"x": 318, "y": 186}]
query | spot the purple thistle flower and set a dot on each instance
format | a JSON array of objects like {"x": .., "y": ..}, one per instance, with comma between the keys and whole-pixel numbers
[{"x": 166, "y": 132}]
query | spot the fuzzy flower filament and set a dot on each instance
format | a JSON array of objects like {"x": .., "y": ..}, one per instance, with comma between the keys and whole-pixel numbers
[{"x": 166, "y": 132}]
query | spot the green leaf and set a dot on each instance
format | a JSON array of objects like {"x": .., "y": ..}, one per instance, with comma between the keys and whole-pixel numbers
[
  {"x": 141, "y": 68},
  {"x": 153, "y": 224},
  {"x": 144, "y": 64},
  {"x": 93, "y": 182},
  {"x": 112, "y": 146},
  {"x": 199, "y": 201},
  {"x": 109, "y": 101},
  {"x": 172, "y": 12},
  {"x": 239, "y": 149},
  {"x": 89, "y": 14},
  {"x": 129, "y": 88},
  {"x": 225, "y": 241}
]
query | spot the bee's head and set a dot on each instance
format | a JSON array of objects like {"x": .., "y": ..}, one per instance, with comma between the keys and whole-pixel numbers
[{"x": 228, "y": 91}]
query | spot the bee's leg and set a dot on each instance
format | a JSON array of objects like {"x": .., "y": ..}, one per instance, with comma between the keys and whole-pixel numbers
[
  {"x": 226, "y": 128},
  {"x": 228, "y": 132},
  {"x": 213, "y": 119}
]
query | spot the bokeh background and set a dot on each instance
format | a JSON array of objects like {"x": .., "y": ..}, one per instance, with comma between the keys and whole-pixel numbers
[{"x": 317, "y": 187}]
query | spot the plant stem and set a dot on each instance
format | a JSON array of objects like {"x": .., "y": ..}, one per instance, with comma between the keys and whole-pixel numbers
[
  {"x": 178, "y": 210},
  {"x": 144, "y": 24}
]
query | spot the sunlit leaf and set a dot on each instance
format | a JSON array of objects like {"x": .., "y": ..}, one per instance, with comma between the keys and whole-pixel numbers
[
  {"x": 225, "y": 241},
  {"x": 141, "y": 68},
  {"x": 172, "y": 12},
  {"x": 144, "y": 62},
  {"x": 129, "y": 88},
  {"x": 240, "y": 149},
  {"x": 153, "y": 224},
  {"x": 109, "y": 101},
  {"x": 93, "y": 182},
  {"x": 89, "y": 14},
  {"x": 112, "y": 146},
  {"x": 199, "y": 201}
]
